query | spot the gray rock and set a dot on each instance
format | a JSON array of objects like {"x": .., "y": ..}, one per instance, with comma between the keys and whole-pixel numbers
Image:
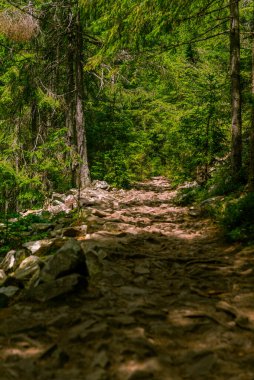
[
  {"x": 28, "y": 268},
  {"x": 12, "y": 260},
  {"x": 68, "y": 259},
  {"x": 70, "y": 201},
  {"x": 99, "y": 213},
  {"x": 39, "y": 246},
  {"x": 9, "y": 261},
  {"x": 194, "y": 211},
  {"x": 57, "y": 208},
  {"x": 45, "y": 246},
  {"x": 55, "y": 288},
  {"x": 29, "y": 261},
  {"x": 103, "y": 185},
  {"x": 3, "y": 277},
  {"x": 93, "y": 263},
  {"x": 9, "y": 291}
]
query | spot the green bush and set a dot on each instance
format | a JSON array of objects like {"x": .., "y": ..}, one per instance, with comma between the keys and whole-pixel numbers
[
  {"x": 15, "y": 232},
  {"x": 238, "y": 218}
]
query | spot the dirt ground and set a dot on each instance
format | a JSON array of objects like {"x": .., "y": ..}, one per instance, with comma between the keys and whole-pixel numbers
[{"x": 168, "y": 300}]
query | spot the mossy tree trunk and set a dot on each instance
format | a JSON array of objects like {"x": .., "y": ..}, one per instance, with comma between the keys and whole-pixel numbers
[
  {"x": 251, "y": 167},
  {"x": 82, "y": 175},
  {"x": 236, "y": 147}
]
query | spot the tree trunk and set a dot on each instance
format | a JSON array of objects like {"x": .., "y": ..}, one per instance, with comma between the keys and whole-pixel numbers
[
  {"x": 236, "y": 147},
  {"x": 34, "y": 126},
  {"x": 251, "y": 167},
  {"x": 70, "y": 109},
  {"x": 75, "y": 120},
  {"x": 83, "y": 175}
]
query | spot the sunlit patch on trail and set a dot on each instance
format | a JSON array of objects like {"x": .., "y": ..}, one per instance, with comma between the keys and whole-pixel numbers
[{"x": 150, "y": 366}]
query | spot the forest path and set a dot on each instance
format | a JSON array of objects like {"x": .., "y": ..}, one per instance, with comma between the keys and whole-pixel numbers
[{"x": 168, "y": 300}]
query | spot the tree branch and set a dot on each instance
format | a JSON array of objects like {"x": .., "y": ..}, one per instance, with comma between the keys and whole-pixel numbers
[
  {"x": 201, "y": 13},
  {"x": 200, "y": 39}
]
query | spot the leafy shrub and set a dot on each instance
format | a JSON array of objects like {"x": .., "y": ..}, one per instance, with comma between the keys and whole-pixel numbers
[
  {"x": 238, "y": 218},
  {"x": 221, "y": 181},
  {"x": 15, "y": 232}
]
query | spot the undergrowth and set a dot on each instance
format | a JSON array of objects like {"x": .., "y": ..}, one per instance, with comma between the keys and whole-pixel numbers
[
  {"x": 227, "y": 202},
  {"x": 16, "y": 231},
  {"x": 238, "y": 218}
]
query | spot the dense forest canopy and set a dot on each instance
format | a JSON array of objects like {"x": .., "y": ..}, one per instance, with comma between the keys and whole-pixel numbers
[{"x": 121, "y": 91}]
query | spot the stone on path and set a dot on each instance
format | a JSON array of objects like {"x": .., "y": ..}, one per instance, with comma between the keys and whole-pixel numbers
[
  {"x": 55, "y": 288},
  {"x": 8, "y": 262},
  {"x": 3, "y": 277},
  {"x": 68, "y": 259},
  {"x": 28, "y": 268},
  {"x": 38, "y": 247}
]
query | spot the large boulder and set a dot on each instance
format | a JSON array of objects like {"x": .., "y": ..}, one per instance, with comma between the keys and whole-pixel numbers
[
  {"x": 9, "y": 261},
  {"x": 67, "y": 260},
  {"x": 55, "y": 288},
  {"x": 39, "y": 246},
  {"x": 43, "y": 247},
  {"x": 103, "y": 185},
  {"x": 30, "y": 267},
  {"x": 3, "y": 277},
  {"x": 12, "y": 260}
]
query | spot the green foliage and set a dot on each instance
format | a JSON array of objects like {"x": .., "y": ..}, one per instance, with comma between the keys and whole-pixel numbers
[
  {"x": 18, "y": 190},
  {"x": 18, "y": 231},
  {"x": 157, "y": 96},
  {"x": 47, "y": 101},
  {"x": 167, "y": 119},
  {"x": 238, "y": 218}
]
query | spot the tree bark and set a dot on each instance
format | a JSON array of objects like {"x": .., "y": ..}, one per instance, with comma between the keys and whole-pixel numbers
[
  {"x": 251, "y": 167},
  {"x": 83, "y": 177},
  {"x": 34, "y": 124},
  {"x": 74, "y": 100},
  {"x": 236, "y": 147},
  {"x": 70, "y": 109}
]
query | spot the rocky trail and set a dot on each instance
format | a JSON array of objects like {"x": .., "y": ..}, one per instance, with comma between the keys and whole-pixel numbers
[{"x": 133, "y": 288}]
